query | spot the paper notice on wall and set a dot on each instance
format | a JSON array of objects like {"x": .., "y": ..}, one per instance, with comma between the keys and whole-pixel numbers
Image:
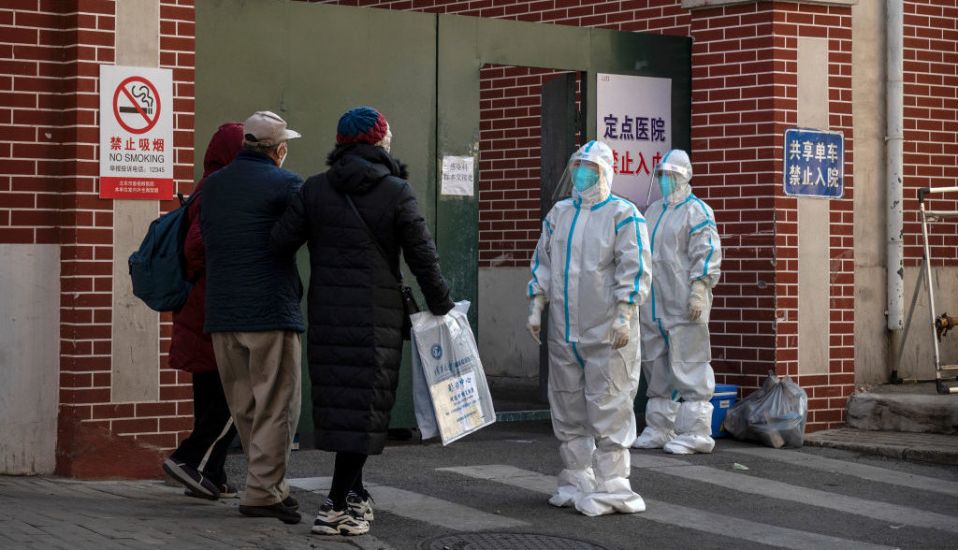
[{"x": 458, "y": 176}]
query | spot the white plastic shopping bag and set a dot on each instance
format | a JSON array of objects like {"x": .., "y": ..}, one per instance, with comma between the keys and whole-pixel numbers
[{"x": 450, "y": 393}]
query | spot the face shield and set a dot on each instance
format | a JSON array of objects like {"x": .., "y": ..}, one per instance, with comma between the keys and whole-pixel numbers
[
  {"x": 588, "y": 175},
  {"x": 584, "y": 175},
  {"x": 666, "y": 181},
  {"x": 672, "y": 176}
]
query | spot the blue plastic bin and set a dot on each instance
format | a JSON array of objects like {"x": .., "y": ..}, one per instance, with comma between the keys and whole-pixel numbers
[{"x": 722, "y": 400}]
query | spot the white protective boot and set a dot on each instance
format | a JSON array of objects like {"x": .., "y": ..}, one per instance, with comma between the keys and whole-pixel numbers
[
  {"x": 659, "y": 423},
  {"x": 694, "y": 427},
  {"x": 613, "y": 492},
  {"x": 570, "y": 485},
  {"x": 577, "y": 477}
]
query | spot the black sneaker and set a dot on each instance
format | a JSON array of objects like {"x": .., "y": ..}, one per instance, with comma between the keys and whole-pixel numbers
[
  {"x": 277, "y": 510},
  {"x": 338, "y": 522},
  {"x": 291, "y": 503},
  {"x": 360, "y": 506},
  {"x": 227, "y": 490},
  {"x": 192, "y": 479}
]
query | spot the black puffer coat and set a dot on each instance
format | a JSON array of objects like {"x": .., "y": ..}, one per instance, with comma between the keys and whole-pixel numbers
[{"x": 355, "y": 307}]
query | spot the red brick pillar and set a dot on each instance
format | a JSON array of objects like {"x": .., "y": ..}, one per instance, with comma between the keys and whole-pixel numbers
[
  {"x": 99, "y": 437},
  {"x": 745, "y": 85}
]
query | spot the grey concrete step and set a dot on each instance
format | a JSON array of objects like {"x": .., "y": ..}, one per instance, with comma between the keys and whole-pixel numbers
[
  {"x": 912, "y": 446},
  {"x": 903, "y": 409}
]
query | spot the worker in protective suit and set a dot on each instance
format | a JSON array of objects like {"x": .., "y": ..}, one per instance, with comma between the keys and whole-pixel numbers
[
  {"x": 591, "y": 267},
  {"x": 686, "y": 261}
]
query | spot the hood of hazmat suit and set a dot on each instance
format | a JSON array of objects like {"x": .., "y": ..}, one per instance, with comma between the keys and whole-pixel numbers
[{"x": 592, "y": 256}]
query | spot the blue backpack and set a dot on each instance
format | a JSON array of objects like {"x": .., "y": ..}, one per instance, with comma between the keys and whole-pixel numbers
[{"x": 157, "y": 268}]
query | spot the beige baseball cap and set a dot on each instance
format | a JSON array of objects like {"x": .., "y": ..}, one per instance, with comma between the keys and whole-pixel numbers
[{"x": 267, "y": 128}]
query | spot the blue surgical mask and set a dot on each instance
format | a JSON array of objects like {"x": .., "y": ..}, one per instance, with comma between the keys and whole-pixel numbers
[
  {"x": 584, "y": 178},
  {"x": 666, "y": 184}
]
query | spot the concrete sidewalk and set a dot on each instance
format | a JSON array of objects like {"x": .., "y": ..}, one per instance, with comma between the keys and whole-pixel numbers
[
  {"x": 916, "y": 447},
  {"x": 104, "y": 515}
]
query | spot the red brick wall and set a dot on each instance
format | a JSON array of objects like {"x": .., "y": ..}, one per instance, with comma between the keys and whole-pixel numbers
[
  {"x": 31, "y": 129},
  {"x": 509, "y": 164},
  {"x": 734, "y": 106},
  {"x": 86, "y": 233},
  {"x": 50, "y": 51},
  {"x": 662, "y": 16},
  {"x": 745, "y": 80},
  {"x": 931, "y": 122},
  {"x": 828, "y": 393}
]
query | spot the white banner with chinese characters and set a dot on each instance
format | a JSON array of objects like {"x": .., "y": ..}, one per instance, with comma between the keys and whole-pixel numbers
[
  {"x": 136, "y": 133},
  {"x": 635, "y": 119}
]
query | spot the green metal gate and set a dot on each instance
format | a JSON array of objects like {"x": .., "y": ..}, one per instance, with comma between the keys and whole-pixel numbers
[{"x": 311, "y": 62}]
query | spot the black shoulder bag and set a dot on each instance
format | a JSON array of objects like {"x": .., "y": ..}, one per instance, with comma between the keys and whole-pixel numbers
[{"x": 408, "y": 300}]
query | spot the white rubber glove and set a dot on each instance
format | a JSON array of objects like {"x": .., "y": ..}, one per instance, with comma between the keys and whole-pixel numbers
[
  {"x": 620, "y": 327},
  {"x": 534, "y": 324},
  {"x": 697, "y": 300}
]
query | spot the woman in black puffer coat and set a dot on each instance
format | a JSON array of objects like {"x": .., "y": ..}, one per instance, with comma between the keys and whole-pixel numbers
[{"x": 355, "y": 306}]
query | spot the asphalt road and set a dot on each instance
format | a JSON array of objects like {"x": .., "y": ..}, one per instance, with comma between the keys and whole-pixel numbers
[{"x": 472, "y": 493}]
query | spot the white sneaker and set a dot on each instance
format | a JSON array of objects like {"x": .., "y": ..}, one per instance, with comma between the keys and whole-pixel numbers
[
  {"x": 338, "y": 522},
  {"x": 360, "y": 506}
]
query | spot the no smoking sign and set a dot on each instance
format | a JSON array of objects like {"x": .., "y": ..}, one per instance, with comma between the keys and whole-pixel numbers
[
  {"x": 136, "y": 133},
  {"x": 136, "y": 105}
]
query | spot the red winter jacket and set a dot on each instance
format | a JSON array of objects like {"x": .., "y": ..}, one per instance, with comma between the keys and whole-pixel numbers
[{"x": 190, "y": 348}]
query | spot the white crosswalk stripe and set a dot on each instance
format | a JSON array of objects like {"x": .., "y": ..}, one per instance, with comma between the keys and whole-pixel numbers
[
  {"x": 420, "y": 507},
  {"x": 872, "y": 509},
  {"x": 863, "y": 471},
  {"x": 671, "y": 514}
]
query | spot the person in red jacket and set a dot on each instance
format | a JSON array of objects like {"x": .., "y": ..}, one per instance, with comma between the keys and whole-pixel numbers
[{"x": 198, "y": 462}]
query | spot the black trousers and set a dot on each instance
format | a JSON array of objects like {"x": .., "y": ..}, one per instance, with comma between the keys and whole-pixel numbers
[
  {"x": 213, "y": 429},
  {"x": 347, "y": 476}
]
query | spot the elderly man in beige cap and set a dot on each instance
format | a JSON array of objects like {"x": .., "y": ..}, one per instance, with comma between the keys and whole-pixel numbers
[{"x": 252, "y": 308}]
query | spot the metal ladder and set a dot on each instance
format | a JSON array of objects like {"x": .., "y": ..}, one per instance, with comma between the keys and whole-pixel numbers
[{"x": 945, "y": 375}]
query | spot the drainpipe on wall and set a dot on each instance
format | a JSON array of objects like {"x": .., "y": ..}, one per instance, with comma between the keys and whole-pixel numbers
[{"x": 894, "y": 222}]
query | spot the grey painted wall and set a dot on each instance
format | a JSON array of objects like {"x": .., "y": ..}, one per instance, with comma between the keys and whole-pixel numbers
[
  {"x": 505, "y": 346},
  {"x": 29, "y": 357},
  {"x": 868, "y": 110},
  {"x": 813, "y": 218}
]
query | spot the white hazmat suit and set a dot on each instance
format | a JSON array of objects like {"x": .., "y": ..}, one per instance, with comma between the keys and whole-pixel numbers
[
  {"x": 591, "y": 266},
  {"x": 676, "y": 353}
]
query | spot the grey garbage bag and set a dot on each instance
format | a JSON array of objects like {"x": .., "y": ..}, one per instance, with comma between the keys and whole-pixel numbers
[{"x": 774, "y": 415}]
